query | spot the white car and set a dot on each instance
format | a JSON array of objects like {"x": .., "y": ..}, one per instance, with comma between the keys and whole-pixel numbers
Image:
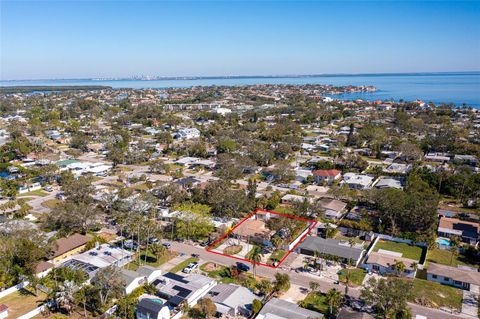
[
  {"x": 190, "y": 267},
  {"x": 153, "y": 240}
]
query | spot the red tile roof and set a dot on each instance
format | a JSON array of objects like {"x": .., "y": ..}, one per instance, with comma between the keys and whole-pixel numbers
[{"x": 327, "y": 172}]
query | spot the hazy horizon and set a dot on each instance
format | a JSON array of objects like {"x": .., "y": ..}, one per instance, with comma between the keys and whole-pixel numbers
[{"x": 167, "y": 77}]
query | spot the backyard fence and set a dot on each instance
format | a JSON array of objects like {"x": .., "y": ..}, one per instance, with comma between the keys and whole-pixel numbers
[{"x": 13, "y": 289}]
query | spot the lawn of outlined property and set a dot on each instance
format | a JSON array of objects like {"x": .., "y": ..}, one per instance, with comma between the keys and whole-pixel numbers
[{"x": 270, "y": 235}]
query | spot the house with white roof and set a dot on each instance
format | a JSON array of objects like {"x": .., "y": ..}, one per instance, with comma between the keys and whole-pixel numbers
[
  {"x": 179, "y": 289},
  {"x": 102, "y": 256},
  {"x": 357, "y": 181},
  {"x": 388, "y": 182},
  {"x": 461, "y": 277},
  {"x": 232, "y": 300},
  {"x": 222, "y": 111},
  {"x": 134, "y": 279},
  {"x": 437, "y": 157},
  {"x": 187, "y": 133},
  {"x": 302, "y": 175},
  {"x": 398, "y": 168},
  {"x": 291, "y": 198},
  {"x": 283, "y": 309},
  {"x": 187, "y": 160}
]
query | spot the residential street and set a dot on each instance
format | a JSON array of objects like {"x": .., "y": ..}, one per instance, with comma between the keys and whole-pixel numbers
[{"x": 299, "y": 278}]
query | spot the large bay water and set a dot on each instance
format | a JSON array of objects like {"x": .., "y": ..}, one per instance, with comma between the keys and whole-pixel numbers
[{"x": 458, "y": 88}]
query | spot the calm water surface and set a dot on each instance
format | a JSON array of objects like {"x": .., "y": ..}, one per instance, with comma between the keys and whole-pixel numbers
[{"x": 457, "y": 88}]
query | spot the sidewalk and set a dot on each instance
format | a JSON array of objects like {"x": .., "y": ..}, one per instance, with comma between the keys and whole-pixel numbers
[{"x": 172, "y": 263}]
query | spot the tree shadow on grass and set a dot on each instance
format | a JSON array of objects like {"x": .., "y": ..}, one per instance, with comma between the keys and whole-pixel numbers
[{"x": 25, "y": 292}]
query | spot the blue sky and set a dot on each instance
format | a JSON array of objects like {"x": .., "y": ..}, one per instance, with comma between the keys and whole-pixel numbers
[{"x": 79, "y": 39}]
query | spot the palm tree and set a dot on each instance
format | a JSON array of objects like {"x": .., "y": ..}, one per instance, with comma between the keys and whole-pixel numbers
[
  {"x": 334, "y": 299},
  {"x": 347, "y": 281},
  {"x": 255, "y": 258},
  {"x": 318, "y": 265},
  {"x": 81, "y": 298},
  {"x": 454, "y": 244},
  {"x": 306, "y": 263},
  {"x": 351, "y": 243},
  {"x": 157, "y": 250},
  {"x": 34, "y": 281},
  {"x": 276, "y": 241},
  {"x": 314, "y": 286},
  {"x": 282, "y": 282},
  {"x": 65, "y": 296},
  {"x": 398, "y": 267}
]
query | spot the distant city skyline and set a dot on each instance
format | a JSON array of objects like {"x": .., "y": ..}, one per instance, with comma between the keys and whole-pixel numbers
[
  {"x": 147, "y": 77},
  {"x": 122, "y": 39}
]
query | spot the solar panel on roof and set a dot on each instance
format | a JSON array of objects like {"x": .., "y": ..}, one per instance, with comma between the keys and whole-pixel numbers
[
  {"x": 175, "y": 277},
  {"x": 183, "y": 292},
  {"x": 176, "y": 300}
]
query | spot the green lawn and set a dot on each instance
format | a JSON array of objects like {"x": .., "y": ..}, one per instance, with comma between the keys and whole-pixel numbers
[
  {"x": 356, "y": 276},
  {"x": 444, "y": 257},
  {"x": 340, "y": 236},
  {"x": 151, "y": 261},
  {"x": 22, "y": 301},
  {"x": 283, "y": 210},
  {"x": 213, "y": 273},
  {"x": 408, "y": 251},
  {"x": 232, "y": 250},
  {"x": 436, "y": 295},
  {"x": 38, "y": 192},
  {"x": 140, "y": 187},
  {"x": 221, "y": 273},
  {"x": 315, "y": 301},
  {"x": 183, "y": 264},
  {"x": 51, "y": 203},
  {"x": 276, "y": 256}
]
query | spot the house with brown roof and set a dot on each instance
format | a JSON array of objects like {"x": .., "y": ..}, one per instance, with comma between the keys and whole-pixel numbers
[
  {"x": 253, "y": 230},
  {"x": 326, "y": 175},
  {"x": 43, "y": 268},
  {"x": 467, "y": 231},
  {"x": 383, "y": 263},
  {"x": 68, "y": 246},
  {"x": 463, "y": 278},
  {"x": 334, "y": 209}
]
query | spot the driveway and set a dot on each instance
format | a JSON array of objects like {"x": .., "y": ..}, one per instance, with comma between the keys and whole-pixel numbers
[
  {"x": 470, "y": 303},
  {"x": 301, "y": 279},
  {"x": 229, "y": 242},
  {"x": 295, "y": 293},
  {"x": 172, "y": 263}
]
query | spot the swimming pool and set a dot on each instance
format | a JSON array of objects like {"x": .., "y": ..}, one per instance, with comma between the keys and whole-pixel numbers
[{"x": 443, "y": 241}]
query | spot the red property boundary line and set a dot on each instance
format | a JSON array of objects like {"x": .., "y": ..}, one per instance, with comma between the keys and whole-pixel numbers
[{"x": 312, "y": 222}]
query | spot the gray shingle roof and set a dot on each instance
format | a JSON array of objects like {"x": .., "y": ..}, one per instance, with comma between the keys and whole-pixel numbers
[
  {"x": 330, "y": 247},
  {"x": 232, "y": 296},
  {"x": 463, "y": 275},
  {"x": 278, "y": 308},
  {"x": 149, "y": 306}
]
